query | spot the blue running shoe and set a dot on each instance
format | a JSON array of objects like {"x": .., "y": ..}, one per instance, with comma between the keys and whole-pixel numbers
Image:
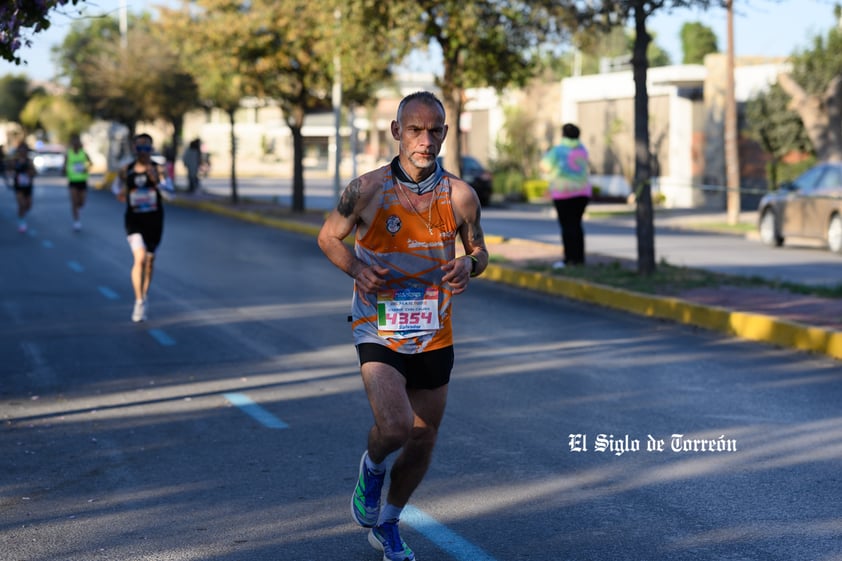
[
  {"x": 387, "y": 539},
  {"x": 365, "y": 502}
]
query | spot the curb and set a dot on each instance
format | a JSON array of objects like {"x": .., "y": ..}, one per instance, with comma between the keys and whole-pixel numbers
[
  {"x": 745, "y": 325},
  {"x": 750, "y": 326},
  {"x": 249, "y": 216}
]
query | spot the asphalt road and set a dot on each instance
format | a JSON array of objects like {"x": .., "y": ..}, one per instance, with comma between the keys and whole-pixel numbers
[
  {"x": 229, "y": 426},
  {"x": 799, "y": 261}
]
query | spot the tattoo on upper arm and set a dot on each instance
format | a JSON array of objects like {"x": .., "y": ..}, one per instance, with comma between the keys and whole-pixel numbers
[
  {"x": 473, "y": 230},
  {"x": 476, "y": 234},
  {"x": 349, "y": 198}
]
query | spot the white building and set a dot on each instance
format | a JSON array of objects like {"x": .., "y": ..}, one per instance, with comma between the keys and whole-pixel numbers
[{"x": 686, "y": 116}]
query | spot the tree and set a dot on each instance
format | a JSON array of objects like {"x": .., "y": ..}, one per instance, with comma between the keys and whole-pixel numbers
[
  {"x": 777, "y": 129},
  {"x": 655, "y": 55},
  {"x": 484, "y": 44},
  {"x": 174, "y": 94},
  {"x": 208, "y": 40},
  {"x": 288, "y": 49},
  {"x": 610, "y": 13},
  {"x": 18, "y": 17},
  {"x": 697, "y": 40},
  {"x": 821, "y": 114},
  {"x": 519, "y": 147},
  {"x": 103, "y": 80},
  {"x": 285, "y": 53},
  {"x": 617, "y": 43},
  {"x": 142, "y": 82},
  {"x": 14, "y": 94},
  {"x": 815, "y": 89},
  {"x": 55, "y": 115}
]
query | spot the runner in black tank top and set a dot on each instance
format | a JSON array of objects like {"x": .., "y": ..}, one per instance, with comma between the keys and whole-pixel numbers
[{"x": 144, "y": 219}]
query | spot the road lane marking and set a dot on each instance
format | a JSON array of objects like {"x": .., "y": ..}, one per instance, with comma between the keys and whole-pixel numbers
[
  {"x": 449, "y": 541},
  {"x": 108, "y": 293},
  {"x": 162, "y": 338},
  {"x": 75, "y": 266},
  {"x": 255, "y": 411}
]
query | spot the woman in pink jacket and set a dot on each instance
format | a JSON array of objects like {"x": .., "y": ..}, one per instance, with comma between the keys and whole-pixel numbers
[{"x": 565, "y": 167}]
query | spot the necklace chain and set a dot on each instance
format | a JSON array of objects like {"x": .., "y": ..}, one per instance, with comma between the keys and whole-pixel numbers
[{"x": 429, "y": 222}]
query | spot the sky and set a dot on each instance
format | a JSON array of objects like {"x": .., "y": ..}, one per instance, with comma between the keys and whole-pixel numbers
[{"x": 761, "y": 28}]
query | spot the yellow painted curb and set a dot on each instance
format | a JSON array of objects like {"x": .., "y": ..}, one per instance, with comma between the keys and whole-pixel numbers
[
  {"x": 750, "y": 326},
  {"x": 249, "y": 216}
]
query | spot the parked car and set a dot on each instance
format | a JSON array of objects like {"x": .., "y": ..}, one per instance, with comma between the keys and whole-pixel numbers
[
  {"x": 476, "y": 176},
  {"x": 48, "y": 159},
  {"x": 809, "y": 207}
]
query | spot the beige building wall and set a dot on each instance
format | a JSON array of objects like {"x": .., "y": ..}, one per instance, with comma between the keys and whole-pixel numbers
[{"x": 608, "y": 132}]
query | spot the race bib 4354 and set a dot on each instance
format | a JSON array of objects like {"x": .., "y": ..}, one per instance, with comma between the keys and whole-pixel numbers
[{"x": 408, "y": 309}]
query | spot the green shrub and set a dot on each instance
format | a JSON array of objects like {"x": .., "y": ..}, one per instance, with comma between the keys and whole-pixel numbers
[{"x": 508, "y": 183}]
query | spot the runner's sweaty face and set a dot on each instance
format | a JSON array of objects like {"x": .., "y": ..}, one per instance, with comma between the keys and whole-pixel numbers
[{"x": 421, "y": 133}]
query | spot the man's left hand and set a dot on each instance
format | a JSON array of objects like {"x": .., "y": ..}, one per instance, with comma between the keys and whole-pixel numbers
[{"x": 457, "y": 273}]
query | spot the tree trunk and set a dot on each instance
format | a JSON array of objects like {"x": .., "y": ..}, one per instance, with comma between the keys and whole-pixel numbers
[
  {"x": 295, "y": 122},
  {"x": 642, "y": 158},
  {"x": 453, "y": 109},
  {"x": 821, "y": 115},
  {"x": 297, "y": 170},
  {"x": 833, "y": 103},
  {"x": 234, "y": 197},
  {"x": 177, "y": 128}
]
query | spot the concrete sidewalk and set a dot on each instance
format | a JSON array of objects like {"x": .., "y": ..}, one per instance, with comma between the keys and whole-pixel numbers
[{"x": 777, "y": 317}]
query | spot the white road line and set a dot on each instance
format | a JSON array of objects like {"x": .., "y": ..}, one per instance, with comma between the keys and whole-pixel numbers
[
  {"x": 255, "y": 411},
  {"x": 108, "y": 293},
  {"x": 449, "y": 541},
  {"x": 162, "y": 338}
]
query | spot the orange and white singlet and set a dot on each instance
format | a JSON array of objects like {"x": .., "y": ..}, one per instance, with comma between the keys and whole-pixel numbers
[{"x": 412, "y": 312}]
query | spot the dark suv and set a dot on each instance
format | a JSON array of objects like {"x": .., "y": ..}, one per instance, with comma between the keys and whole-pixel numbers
[{"x": 476, "y": 176}]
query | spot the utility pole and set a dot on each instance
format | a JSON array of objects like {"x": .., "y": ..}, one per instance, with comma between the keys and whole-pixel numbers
[
  {"x": 337, "y": 110},
  {"x": 732, "y": 158},
  {"x": 124, "y": 24}
]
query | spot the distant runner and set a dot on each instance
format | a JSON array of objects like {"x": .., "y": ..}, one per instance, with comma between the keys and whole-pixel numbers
[
  {"x": 23, "y": 181},
  {"x": 144, "y": 218},
  {"x": 76, "y": 166}
]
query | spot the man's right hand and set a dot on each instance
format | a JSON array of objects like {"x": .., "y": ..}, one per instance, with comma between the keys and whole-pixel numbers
[{"x": 370, "y": 279}]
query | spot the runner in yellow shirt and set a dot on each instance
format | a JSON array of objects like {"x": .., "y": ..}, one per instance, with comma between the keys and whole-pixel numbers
[{"x": 76, "y": 166}]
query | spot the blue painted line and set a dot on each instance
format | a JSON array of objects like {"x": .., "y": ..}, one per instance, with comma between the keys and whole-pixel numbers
[
  {"x": 255, "y": 411},
  {"x": 449, "y": 541},
  {"x": 75, "y": 266},
  {"x": 47, "y": 243},
  {"x": 162, "y": 337},
  {"x": 108, "y": 293}
]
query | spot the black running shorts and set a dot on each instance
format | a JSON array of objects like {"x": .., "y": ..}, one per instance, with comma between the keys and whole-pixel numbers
[
  {"x": 149, "y": 225},
  {"x": 423, "y": 371}
]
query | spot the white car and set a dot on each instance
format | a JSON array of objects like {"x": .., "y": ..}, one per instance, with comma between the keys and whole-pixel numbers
[{"x": 48, "y": 160}]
